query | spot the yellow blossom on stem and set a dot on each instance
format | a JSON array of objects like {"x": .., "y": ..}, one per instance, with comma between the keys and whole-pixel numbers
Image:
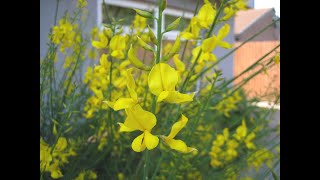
[
  {"x": 124, "y": 103},
  {"x": 139, "y": 119},
  {"x": 192, "y": 31},
  {"x": 241, "y": 131},
  {"x": 102, "y": 43},
  {"x": 117, "y": 46},
  {"x": 178, "y": 145},
  {"x": 206, "y": 15},
  {"x": 139, "y": 22},
  {"x": 162, "y": 81},
  {"x": 248, "y": 141},
  {"x": 64, "y": 34}
]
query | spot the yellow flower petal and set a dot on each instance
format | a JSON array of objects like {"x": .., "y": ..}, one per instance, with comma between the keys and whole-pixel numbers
[
  {"x": 137, "y": 144},
  {"x": 117, "y": 54},
  {"x": 162, "y": 77},
  {"x": 224, "y": 31},
  {"x": 225, "y": 45},
  {"x": 55, "y": 174},
  {"x": 206, "y": 15},
  {"x": 123, "y": 103},
  {"x": 124, "y": 128},
  {"x": 104, "y": 61},
  {"x": 98, "y": 45},
  {"x": 137, "y": 118},
  {"x": 117, "y": 43},
  {"x": 163, "y": 95},
  {"x": 177, "y": 127},
  {"x": 135, "y": 61},
  {"x": 131, "y": 85},
  {"x": 151, "y": 141},
  {"x": 174, "y": 97},
  {"x": 179, "y": 146},
  {"x": 187, "y": 35},
  {"x": 178, "y": 63},
  {"x": 61, "y": 144},
  {"x": 209, "y": 44}
]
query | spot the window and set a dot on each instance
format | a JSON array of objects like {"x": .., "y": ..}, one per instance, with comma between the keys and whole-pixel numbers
[{"x": 123, "y": 9}]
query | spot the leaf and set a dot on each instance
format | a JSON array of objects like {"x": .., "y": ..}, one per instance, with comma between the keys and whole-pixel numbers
[
  {"x": 144, "y": 14},
  {"x": 173, "y": 25},
  {"x": 275, "y": 177}
]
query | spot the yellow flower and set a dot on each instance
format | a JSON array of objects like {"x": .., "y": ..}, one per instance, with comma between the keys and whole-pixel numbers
[
  {"x": 162, "y": 81},
  {"x": 45, "y": 155},
  {"x": 120, "y": 176},
  {"x": 139, "y": 119},
  {"x": 241, "y": 4},
  {"x": 241, "y": 131},
  {"x": 117, "y": 46},
  {"x": 211, "y": 43},
  {"x": 192, "y": 31},
  {"x": 216, "y": 163},
  {"x": 232, "y": 144},
  {"x": 178, "y": 145},
  {"x": 135, "y": 61},
  {"x": 55, "y": 171},
  {"x": 277, "y": 59},
  {"x": 220, "y": 140},
  {"x": 178, "y": 63},
  {"x": 139, "y": 22},
  {"x": 248, "y": 141},
  {"x": 64, "y": 34},
  {"x": 102, "y": 43},
  {"x": 206, "y": 15},
  {"x": 94, "y": 32},
  {"x": 174, "y": 50},
  {"x": 208, "y": 45},
  {"x": 167, "y": 48},
  {"x": 82, "y": 4},
  {"x": 258, "y": 158},
  {"x": 229, "y": 12},
  {"x": 124, "y": 103}
]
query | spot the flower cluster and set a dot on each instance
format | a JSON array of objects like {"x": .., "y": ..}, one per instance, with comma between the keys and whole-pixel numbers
[
  {"x": 228, "y": 103},
  {"x": 225, "y": 149},
  {"x": 52, "y": 158}
]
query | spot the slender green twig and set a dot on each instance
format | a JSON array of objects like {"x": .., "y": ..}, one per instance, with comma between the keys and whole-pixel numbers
[
  {"x": 190, "y": 72},
  {"x": 235, "y": 49},
  {"x": 158, "y": 56}
]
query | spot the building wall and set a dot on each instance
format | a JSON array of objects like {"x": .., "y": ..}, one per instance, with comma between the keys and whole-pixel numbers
[
  {"x": 47, "y": 12},
  {"x": 270, "y": 34},
  {"x": 262, "y": 84}
]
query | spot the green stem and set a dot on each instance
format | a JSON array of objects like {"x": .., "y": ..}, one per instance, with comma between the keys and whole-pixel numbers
[
  {"x": 157, "y": 167},
  {"x": 245, "y": 81},
  {"x": 203, "y": 108},
  {"x": 154, "y": 102},
  {"x": 56, "y": 13},
  {"x": 159, "y": 35},
  {"x": 110, "y": 97},
  {"x": 190, "y": 72},
  {"x": 145, "y": 166}
]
